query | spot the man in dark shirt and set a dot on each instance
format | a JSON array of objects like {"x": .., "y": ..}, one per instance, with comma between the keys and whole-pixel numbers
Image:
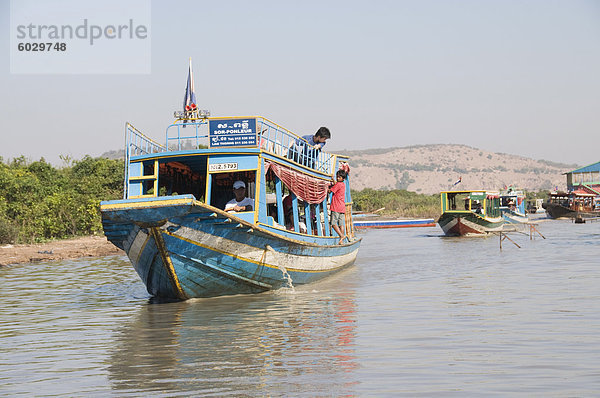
[{"x": 306, "y": 149}]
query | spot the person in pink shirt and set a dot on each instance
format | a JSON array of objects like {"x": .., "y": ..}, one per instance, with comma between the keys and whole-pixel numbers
[{"x": 338, "y": 205}]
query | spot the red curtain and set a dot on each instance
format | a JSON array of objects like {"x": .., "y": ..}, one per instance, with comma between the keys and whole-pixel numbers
[{"x": 305, "y": 187}]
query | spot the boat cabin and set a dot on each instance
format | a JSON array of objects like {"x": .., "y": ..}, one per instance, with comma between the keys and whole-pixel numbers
[
  {"x": 512, "y": 200},
  {"x": 480, "y": 202},
  {"x": 579, "y": 200},
  {"x": 284, "y": 177}
]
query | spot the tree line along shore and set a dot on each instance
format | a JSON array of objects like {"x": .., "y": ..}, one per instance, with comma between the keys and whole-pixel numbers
[{"x": 40, "y": 202}]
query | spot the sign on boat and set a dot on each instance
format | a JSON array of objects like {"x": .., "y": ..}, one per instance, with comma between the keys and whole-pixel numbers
[{"x": 172, "y": 221}]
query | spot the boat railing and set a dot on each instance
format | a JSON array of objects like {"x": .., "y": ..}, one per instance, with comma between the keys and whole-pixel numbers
[
  {"x": 281, "y": 142},
  {"x": 271, "y": 138},
  {"x": 187, "y": 134},
  {"x": 136, "y": 144},
  {"x": 139, "y": 144}
]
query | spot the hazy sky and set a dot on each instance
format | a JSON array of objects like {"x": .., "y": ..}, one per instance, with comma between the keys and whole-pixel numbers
[{"x": 519, "y": 77}]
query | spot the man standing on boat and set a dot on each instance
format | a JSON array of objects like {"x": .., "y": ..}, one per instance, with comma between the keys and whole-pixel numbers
[
  {"x": 240, "y": 202},
  {"x": 306, "y": 154}
]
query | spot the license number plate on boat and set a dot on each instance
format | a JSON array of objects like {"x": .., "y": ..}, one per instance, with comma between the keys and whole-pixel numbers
[{"x": 222, "y": 166}]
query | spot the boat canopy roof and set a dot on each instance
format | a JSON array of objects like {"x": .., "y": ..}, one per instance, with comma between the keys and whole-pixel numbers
[
  {"x": 580, "y": 192},
  {"x": 490, "y": 194},
  {"x": 589, "y": 168}
]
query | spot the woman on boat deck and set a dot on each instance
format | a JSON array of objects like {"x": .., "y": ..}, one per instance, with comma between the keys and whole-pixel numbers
[
  {"x": 338, "y": 205},
  {"x": 240, "y": 202}
]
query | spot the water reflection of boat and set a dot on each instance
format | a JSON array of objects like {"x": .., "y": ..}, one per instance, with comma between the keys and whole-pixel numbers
[
  {"x": 183, "y": 244},
  {"x": 470, "y": 213},
  {"x": 269, "y": 344}
]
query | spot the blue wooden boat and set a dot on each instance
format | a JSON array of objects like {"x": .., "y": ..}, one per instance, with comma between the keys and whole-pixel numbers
[
  {"x": 512, "y": 206},
  {"x": 176, "y": 233},
  {"x": 377, "y": 222}
]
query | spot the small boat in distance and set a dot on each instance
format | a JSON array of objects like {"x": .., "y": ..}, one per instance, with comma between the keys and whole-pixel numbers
[
  {"x": 470, "y": 213},
  {"x": 382, "y": 222},
  {"x": 582, "y": 198},
  {"x": 366, "y": 220},
  {"x": 535, "y": 206},
  {"x": 172, "y": 222},
  {"x": 580, "y": 203},
  {"x": 512, "y": 206}
]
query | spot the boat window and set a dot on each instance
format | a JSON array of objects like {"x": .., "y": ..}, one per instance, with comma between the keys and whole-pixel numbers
[
  {"x": 505, "y": 201},
  {"x": 147, "y": 188},
  {"x": 222, "y": 187},
  {"x": 147, "y": 179},
  {"x": 148, "y": 169},
  {"x": 451, "y": 201},
  {"x": 492, "y": 206},
  {"x": 183, "y": 177},
  {"x": 457, "y": 201}
]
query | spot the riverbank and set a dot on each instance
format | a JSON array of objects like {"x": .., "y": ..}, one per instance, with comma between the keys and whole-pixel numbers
[{"x": 87, "y": 246}]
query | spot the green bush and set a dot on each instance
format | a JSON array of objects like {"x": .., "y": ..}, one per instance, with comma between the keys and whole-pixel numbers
[
  {"x": 397, "y": 202},
  {"x": 40, "y": 202}
]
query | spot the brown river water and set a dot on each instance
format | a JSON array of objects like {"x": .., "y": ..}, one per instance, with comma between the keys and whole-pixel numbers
[{"x": 417, "y": 315}]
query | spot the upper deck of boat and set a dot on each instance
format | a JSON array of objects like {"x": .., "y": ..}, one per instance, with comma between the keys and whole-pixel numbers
[{"x": 241, "y": 135}]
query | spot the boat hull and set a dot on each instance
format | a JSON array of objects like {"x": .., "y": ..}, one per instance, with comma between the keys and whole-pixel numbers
[
  {"x": 189, "y": 250},
  {"x": 554, "y": 210},
  {"x": 512, "y": 217},
  {"x": 468, "y": 224}
]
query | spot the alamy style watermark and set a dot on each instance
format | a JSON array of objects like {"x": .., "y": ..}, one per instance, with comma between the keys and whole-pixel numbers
[
  {"x": 69, "y": 36},
  {"x": 83, "y": 31}
]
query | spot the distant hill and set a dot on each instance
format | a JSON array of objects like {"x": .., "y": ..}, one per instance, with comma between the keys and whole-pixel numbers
[
  {"x": 429, "y": 169},
  {"x": 114, "y": 154}
]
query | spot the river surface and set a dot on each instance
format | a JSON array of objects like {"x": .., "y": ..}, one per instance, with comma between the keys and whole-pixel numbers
[{"x": 417, "y": 315}]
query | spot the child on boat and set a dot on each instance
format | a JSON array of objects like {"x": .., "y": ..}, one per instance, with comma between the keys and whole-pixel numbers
[{"x": 338, "y": 205}]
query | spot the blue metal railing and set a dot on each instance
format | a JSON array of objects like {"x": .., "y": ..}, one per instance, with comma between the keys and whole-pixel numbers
[
  {"x": 279, "y": 141},
  {"x": 272, "y": 138},
  {"x": 178, "y": 133},
  {"x": 139, "y": 144},
  {"x": 136, "y": 144}
]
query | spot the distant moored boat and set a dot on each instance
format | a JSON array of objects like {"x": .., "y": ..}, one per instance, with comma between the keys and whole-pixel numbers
[
  {"x": 512, "y": 206},
  {"x": 470, "y": 213}
]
